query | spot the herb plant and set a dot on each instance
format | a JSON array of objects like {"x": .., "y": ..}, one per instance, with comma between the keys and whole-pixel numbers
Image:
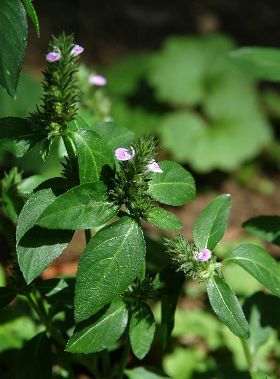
[{"x": 110, "y": 183}]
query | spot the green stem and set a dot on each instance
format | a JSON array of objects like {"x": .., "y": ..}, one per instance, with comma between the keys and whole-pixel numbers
[
  {"x": 88, "y": 235},
  {"x": 106, "y": 364},
  {"x": 43, "y": 317},
  {"x": 248, "y": 355},
  {"x": 69, "y": 148},
  {"x": 124, "y": 358}
]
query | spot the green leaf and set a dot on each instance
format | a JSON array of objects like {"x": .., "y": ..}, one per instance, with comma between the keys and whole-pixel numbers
[
  {"x": 265, "y": 227},
  {"x": 171, "y": 284},
  {"x": 144, "y": 373},
  {"x": 124, "y": 76},
  {"x": 38, "y": 247},
  {"x": 259, "y": 335},
  {"x": 175, "y": 186},
  {"x": 59, "y": 294},
  {"x": 259, "y": 264},
  {"x": 109, "y": 264},
  {"x": 17, "y": 136},
  {"x": 100, "y": 331},
  {"x": 226, "y": 306},
  {"x": 114, "y": 135},
  {"x": 82, "y": 207},
  {"x": 260, "y": 375},
  {"x": 164, "y": 219},
  {"x": 135, "y": 118},
  {"x": 13, "y": 31},
  {"x": 179, "y": 70},
  {"x": 218, "y": 140},
  {"x": 260, "y": 62},
  {"x": 94, "y": 156},
  {"x": 211, "y": 224},
  {"x": 35, "y": 359},
  {"x": 32, "y": 14},
  {"x": 141, "y": 330},
  {"x": 6, "y": 296}
]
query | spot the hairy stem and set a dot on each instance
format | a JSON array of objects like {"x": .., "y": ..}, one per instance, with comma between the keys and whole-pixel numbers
[
  {"x": 248, "y": 355},
  {"x": 124, "y": 358}
]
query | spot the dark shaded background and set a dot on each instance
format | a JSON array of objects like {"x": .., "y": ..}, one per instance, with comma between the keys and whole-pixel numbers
[{"x": 110, "y": 29}]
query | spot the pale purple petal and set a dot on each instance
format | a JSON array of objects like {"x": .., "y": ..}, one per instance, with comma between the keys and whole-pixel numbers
[
  {"x": 124, "y": 154},
  {"x": 77, "y": 50},
  {"x": 97, "y": 80},
  {"x": 154, "y": 167},
  {"x": 53, "y": 56},
  {"x": 203, "y": 255}
]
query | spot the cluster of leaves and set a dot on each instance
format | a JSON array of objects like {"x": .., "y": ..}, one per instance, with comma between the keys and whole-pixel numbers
[
  {"x": 188, "y": 94},
  {"x": 108, "y": 306}
]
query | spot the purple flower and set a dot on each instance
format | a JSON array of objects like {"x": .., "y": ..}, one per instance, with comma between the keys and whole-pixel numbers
[
  {"x": 97, "y": 80},
  {"x": 77, "y": 50},
  {"x": 154, "y": 167},
  {"x": 124, "y": 154},
  {"x": 53, "y": 56},
  {"x": 203, "y": 255}
]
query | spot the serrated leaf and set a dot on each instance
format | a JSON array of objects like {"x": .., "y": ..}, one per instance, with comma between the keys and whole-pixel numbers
[
  {"x": 114, "y": 135},
  {"x": 6, "y": 296},
  {"x": 144, "y": 373},
  {"x": 94, "y": 156},
  {"x": 83, "y": 207},
  {"x": 13, "y": 31},
  {"x": 100, "y": 331},
  {"x": 175, "y": 186},
  {"x": 164, "y": 219},
  {"x": 259, "y": 264},
  {"x": 265, "y": 227},
  {"x": 142, "y": 329},
  {"x": 109, "y": 264},
  {"x": 226, "y": 306},
  {"x": 32, "y": 14},
  {"x": 211, "y": 224},
  {"x": 38, "y": 247},
  {"x": 35, "y": 359},
  {"x": 260, "y": 62},
  {"x": 17, "y": 136}
]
